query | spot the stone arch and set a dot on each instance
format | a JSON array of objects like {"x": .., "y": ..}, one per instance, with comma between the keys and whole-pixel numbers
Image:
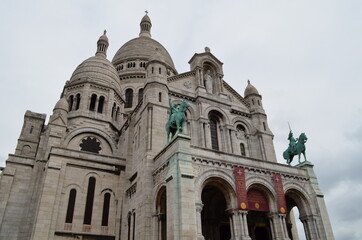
[
  {"x": 235, "y": 121},
  {"x": 300, "y": 198},
  {"x": 107, "y": 139},
  {"x": 98, "y": 182},
  {"x": 70, "y": 186},
  {"x": 107, "y": 190},
  {"x": 210, "y": 62},
  {"x": 222, "y": 177},
  {"x": 221, "y": 111},
  {"x": 160, "y": 207},
  {"x": 266, "y": 187},
  {"x": 25, "y": 150},
  {"x": 217, "y": 198},
  {"x": 297, "y": 197}
]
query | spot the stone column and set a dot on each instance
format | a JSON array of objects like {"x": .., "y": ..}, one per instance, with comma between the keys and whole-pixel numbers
[
  {"x": 202, "y": 77},
  {"x": 232, "y": 227},
  {"x": 236, "y": 148},
  {"x": 208, "y": 136},
  {"x": 202, "y": 135},
  {"x": 310, "y": 227},
  {"x": 227, "y": 137},
  {"x": 244, "y": 231},
  {"x": 199, "y": 207},
  {"x": 284, "y": 226},
  {"x": 96, "y": 105},
  {"x": 278, "y": 226}
]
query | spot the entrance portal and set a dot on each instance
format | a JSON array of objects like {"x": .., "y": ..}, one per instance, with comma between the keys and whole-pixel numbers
[
  {"x": 215, "y": 221},
  {"x": 258, "y": 224}
]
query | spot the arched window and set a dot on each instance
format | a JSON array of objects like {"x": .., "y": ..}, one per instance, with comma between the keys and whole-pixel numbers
[
  {"x": 31, "y": 129},
  {"x": 152, "y": 69},
  {"x": 242, "y": 149},
  {"x": 71, "y": 205},
  {"x": 100, "y": 104},
  {"x": 241, "y": 131},
  {"x": 264, "y": 125},
  {"x": 105, "y": 215},
  {"x": 117, "y": 113},
  {"x": 134, "y": 226},
  {"x": 215, "y": 120},
  {"x": 160, "y": 97},
  {"x": 89, "y": 201},
  {"x": 92, "y": 104},
  {"x": 71, "y": 100},
  {"x": 159, "y": 70},
  {"x": 77, "y": 101},
  {"x": 214, "y": 134},
  {"x": 161, "y": 206},
  {"x": 129, "y": 98},
  {"x": 113, "y": 109},
  {"x": 129, "y": 225},
  {"x": 140, "y": 94}
]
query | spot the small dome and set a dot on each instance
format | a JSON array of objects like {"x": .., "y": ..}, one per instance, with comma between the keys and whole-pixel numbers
[
  {"x": 103, "y": 37},
  {"x": 146, "y": 18},
  {"x": 143, "y": 48},
  {"x": 250, "y": 90},
  {"x": 98, "y": 69},
  {"x": 62, "y": 104}
]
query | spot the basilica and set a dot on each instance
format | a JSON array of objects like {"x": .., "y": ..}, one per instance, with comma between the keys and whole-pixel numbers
[{"x": 109, "y": 164}]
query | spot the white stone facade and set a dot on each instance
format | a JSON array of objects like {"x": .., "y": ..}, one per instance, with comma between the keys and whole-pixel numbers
[{"x": 101, "y": 168}]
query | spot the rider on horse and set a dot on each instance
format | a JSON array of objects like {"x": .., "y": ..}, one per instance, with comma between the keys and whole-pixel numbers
[
  {"x": 173, "y": 109},
  {"x": 292, "y": 141}
]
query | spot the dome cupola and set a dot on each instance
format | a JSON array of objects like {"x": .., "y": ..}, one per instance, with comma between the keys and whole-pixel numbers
[
  {"x": 250, "y": 90},
  {"x": 97, "y": 69},
  {"x": 61, "y": 105},
  {"x": 102, "y": 45},
  {"x": 145, "y": 26},
  {"x": 132, "y": 57}
]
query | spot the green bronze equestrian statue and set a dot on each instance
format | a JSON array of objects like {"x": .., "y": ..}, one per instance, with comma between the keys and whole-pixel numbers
[
  {"x": 176, "y": 120},
  {"x": 296, "y": 147}
]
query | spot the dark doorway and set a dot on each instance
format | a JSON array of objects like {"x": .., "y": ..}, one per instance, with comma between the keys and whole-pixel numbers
[
  {"x": 215, "y": 220},
  {"x": 258, "y": 224},
  {"x": 261, "y": 233}
]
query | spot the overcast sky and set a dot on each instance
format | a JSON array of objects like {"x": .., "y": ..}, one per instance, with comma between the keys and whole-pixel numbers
[{"x": 304, "y": 57}]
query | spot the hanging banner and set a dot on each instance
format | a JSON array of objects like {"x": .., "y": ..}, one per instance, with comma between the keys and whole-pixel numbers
[
  {"x": 239, "y": 174},
  {"x": 257, "y": 201},
  {"x": 282, "y": 205}
]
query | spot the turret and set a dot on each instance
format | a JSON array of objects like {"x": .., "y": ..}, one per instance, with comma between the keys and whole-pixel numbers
[
  {"x": 102, "y": 45},
  {"x": 259, "y": 119},
  {"x": 252, "y": 95},
  {"x": 145, "y": 26}
]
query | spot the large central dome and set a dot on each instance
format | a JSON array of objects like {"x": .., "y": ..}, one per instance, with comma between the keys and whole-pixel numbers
[{"x": 143, "y": 48}]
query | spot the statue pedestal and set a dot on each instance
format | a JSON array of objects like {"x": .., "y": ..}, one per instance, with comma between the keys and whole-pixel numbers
[{"x": 305, "y": 164}]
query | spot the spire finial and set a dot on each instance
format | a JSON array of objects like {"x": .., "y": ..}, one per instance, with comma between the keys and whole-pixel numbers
[
  {"x": 248, "y": 81},
  {"x": 145, "y": 26},
  {"x": 102, "y": 45}
]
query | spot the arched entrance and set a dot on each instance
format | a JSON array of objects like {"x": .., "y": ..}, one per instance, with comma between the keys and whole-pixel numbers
[
  {"x": 258, "y": 222},
  {"x": 297, "y": 203},
  {"x": 161, "y": 208},
  {"x": 214, "y": 218}
]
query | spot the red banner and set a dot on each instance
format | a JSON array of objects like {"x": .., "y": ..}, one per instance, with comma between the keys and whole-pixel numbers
[
  {"x": 282, "y": 205},
  {"x": 239, "y": 174},
  {"x": 257, "y": 201}
]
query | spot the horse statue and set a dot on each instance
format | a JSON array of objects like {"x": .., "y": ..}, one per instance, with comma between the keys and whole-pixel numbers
[
  {"x": 177, "y": 119},
  {"x": 296, "y": 147}
]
